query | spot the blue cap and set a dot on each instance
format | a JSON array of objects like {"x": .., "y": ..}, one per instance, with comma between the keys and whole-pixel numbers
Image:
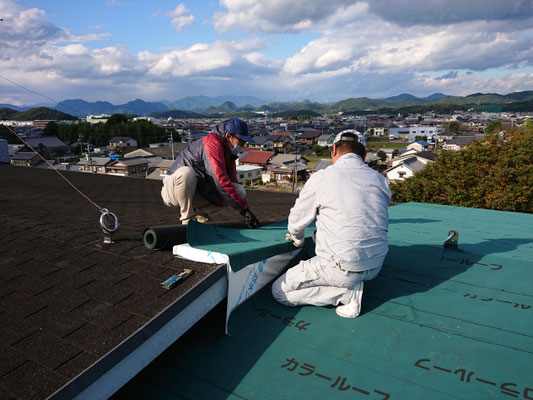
[{"x": 239, "y": 128}]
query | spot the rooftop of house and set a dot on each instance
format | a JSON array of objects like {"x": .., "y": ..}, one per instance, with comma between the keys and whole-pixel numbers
[
  {"x": 72, "y": 307},
  {"x": 46, "y": 141},
  {"x": 24, "y": 155},
  {"x": 461, "y": 140},
  {"x": 258, "y": 157},
  {"x": 439, "y": 322},
  {"x": 95, "y": 161}
]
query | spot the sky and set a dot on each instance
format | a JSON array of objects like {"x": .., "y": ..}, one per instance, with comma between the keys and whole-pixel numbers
[{"x": 282, "y": 50}]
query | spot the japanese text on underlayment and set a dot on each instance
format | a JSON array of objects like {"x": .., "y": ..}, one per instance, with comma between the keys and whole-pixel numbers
[
  {"x": 339, "y": 383},
  {"x": 470, "y": 377}
]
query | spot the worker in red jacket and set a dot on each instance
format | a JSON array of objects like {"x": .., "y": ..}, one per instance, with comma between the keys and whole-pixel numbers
[{"x": 204, "y": 177}]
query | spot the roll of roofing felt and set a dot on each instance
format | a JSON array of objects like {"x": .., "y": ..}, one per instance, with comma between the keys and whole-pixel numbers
[{"x": 165, "y": 237}]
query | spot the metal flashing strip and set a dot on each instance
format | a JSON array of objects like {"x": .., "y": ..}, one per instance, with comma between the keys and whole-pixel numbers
[{"x": 117, "y": 367}]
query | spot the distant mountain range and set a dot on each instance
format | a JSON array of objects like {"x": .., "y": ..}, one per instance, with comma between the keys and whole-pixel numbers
[{"x": 202, "y": 106}]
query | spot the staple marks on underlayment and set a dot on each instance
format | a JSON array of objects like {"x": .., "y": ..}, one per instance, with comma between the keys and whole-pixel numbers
[{"x": 437, "y": 323}]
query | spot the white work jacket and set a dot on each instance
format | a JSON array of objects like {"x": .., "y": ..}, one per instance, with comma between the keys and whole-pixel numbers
[{"x": 350, "y": 203}]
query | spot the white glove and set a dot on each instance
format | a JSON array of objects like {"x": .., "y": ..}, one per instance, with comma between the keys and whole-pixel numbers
[{"x": 296, "y": 242}]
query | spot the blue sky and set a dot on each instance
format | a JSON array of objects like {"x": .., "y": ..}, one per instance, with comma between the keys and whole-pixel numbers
[{"x": 120, "y": 50}]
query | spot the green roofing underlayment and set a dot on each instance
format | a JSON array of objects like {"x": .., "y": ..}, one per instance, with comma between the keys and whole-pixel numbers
[
  {"x": 245, "y": 246},
  {"x": 436, "y": 324}
]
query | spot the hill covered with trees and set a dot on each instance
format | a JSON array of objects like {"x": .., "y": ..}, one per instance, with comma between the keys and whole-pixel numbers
[{"x": 33, "y": 114}]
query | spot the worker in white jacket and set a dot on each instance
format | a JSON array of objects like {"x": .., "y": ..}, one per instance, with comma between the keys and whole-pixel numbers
[{"x": 349, "y": 201}]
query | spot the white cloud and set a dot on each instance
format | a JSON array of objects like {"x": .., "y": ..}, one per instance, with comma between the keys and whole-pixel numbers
[
  {"x": 474, "y": 45},
  {"x": 218, "y": 59},
  {"x": 465, "y": 84},
  {"x": 276, "y": 16},
  {"x": 437, "y": 12},
  {"x": 180, "y": 17},
  {"x": 22, "y": 30},
  {"x": 358, "y": 50}
]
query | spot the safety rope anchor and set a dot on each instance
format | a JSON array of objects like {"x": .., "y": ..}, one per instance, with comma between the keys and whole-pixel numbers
[
  {"x": 109, "y": 224},
  {"x": 452, "y": 241}
]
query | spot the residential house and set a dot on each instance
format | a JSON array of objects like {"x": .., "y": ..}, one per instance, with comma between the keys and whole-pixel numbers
[
  {"x": 128, "y": 167},
  {"x": 377, "y": 129},
  {"x": 323, "y": 163},
  {"x": 257, "y": 158},
  {"x": 96, "y": 165},
  {"x": 419, "y": 145},
  {"x": 49, "y": 146},
  {"x": 326, "y": 140},
  {"x": 281, "y": 144},
  {"x": 119, "y": 143},
  {"x": 444, "y": 137},
  {"x": 424, "y": 157},
  {"x": 285, "y": 172},
  {"x": 262, "y": 143},
  {"x": 401, "y": 133},
  {"x": 458, "y": 143},
  {"x": 429, "y": 132},
  {"x": 309, "y": 137},
  {"x": 390, "y": 153},
  {"x": 248, "y": 173},
  {"x": 25, "y": 158},
  {"x": 371, "y": 159},
  {"x": 161, "y": 170},
  {"x": 152, "y": 160},
  {"x": 404, "y": 170},
  {"x": 279, "y": 159}
]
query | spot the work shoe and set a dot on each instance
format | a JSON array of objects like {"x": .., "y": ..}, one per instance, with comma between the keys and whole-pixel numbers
[
  {"x": 353, "y": 308},
  {"x": 201, "y": 218}
]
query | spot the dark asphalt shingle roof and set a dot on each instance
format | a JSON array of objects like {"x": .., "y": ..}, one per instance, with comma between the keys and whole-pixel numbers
[{"x": 66, "y": 299}]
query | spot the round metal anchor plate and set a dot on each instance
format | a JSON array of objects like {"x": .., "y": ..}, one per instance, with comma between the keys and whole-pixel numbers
[{"x": 108, "y": 221}]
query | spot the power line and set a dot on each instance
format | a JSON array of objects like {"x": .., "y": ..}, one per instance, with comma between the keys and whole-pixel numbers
[{"x": 40, "y": 94}]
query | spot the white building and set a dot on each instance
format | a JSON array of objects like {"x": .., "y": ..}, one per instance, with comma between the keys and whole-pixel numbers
[
  {"x": 411, "y": 132},
  {"x": 248, "y": 173},
  {"x": 95, "y": 119}
]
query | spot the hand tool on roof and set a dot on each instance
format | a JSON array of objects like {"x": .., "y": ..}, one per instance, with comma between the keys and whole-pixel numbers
[{"x": 175, "y": 279}]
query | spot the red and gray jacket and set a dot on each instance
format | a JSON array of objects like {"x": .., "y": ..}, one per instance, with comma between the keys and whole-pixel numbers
[{"x": 214, "y": 166}]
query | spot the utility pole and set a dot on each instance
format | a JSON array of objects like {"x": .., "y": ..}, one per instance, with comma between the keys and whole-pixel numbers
[{"x": 171, "y": 141}]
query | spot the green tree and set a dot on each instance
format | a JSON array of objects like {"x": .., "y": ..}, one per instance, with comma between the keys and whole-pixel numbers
[
  {"x": 494, "y": 173},
  {"x": 452, "y": 126},
  {"x": 527, "y": 125},
  {"x": 494, "y": 126},
  {"x": 381, "y": 155},
  {"x": 51, "y": 129},
  {"x": 11, "y": 138},
  {"x": 116, "y": 119}
]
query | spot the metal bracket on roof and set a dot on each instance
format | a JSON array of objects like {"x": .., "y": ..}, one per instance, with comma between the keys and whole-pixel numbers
[
  {"x": 452, "y": 241},
  {"x": 109, "y": 224}
]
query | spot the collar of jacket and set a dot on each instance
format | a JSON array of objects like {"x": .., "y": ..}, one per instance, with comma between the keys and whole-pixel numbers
[
  {"x": 349, "y": 157},
  {"x": 219, "y": 131}
]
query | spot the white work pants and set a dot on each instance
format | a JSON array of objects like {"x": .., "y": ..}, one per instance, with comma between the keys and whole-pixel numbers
[
  {"x": 320, "y": 282},
  {"x": 179, "y": 190}
]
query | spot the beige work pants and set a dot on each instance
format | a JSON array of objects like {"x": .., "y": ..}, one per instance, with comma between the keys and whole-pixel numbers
[
  {"x": 179, "y": 190},
  {"x": 320, "y": 282}
]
